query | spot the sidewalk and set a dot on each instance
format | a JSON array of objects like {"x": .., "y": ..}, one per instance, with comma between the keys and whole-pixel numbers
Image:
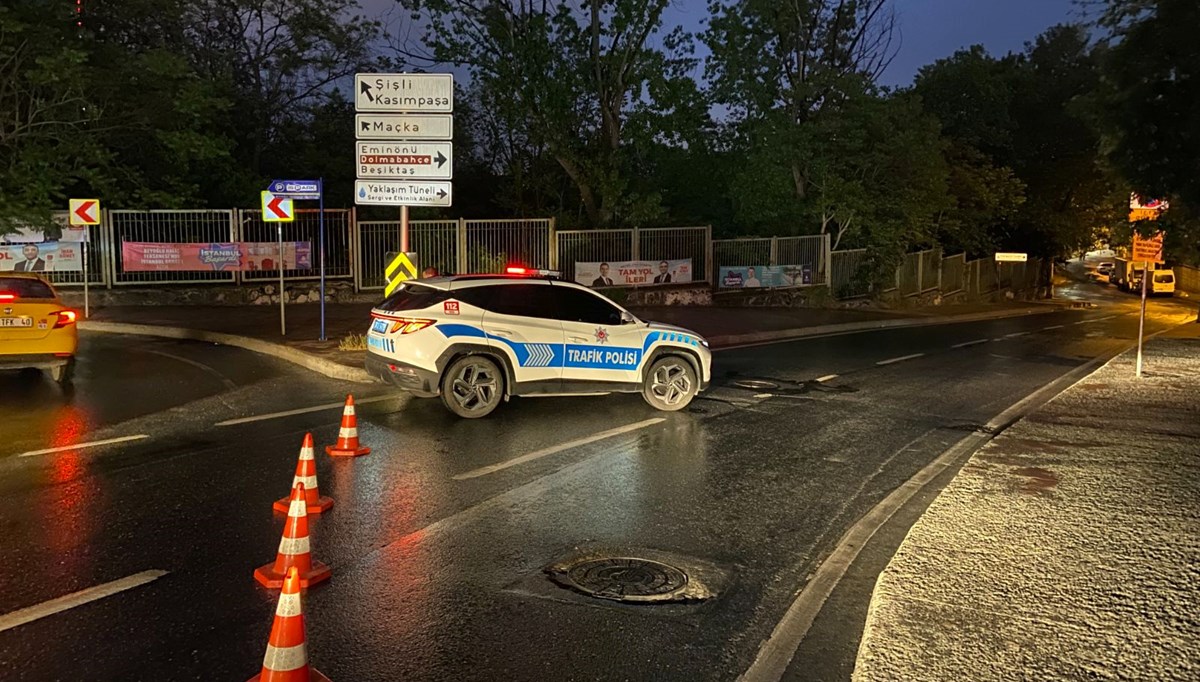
[
  {"x": 722, "y": 326},
  {"x": 1068, "y": 548}
]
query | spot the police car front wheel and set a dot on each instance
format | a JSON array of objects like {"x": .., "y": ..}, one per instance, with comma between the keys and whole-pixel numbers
[
  {"x": 670, "y": 384},
  {"x": 473, "y": 386}
]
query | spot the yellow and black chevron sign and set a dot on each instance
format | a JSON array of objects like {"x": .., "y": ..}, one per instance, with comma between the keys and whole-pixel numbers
[{"x": 401, "y": 268}]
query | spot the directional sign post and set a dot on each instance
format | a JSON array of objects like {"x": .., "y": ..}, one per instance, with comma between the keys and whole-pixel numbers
[
  {"x": 399, "y": 117},
  {"x": 302, "y": 190},
  {"x": 1149, "y": 250},
  {"x": 84, "y": 212}
]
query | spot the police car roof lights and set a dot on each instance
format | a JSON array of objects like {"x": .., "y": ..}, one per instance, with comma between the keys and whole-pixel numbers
[{"x": 530, "y": 272}]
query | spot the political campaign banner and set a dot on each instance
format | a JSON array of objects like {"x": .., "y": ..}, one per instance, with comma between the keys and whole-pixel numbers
[
  {"x": 30, "y": 235},
  {"x": 633, "y": 273},
  {"x": 44, "y": 257},
  {"x": 213, "y": 257},
  {"x": 764, "y": 276}
]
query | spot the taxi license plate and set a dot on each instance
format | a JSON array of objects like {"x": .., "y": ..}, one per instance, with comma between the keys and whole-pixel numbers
[{"x": 16, "y": 321}]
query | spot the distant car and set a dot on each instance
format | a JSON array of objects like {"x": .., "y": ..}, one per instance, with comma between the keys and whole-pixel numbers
[
  {"x": 36, "y": 330},
  {"x": 1104, "y": 271},
  {"x": 475, "y": 340}
]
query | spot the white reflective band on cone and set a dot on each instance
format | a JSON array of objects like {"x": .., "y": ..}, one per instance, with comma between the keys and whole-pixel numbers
[
  {"x": 289, "y": 605},
  {"x": 351, "y": 432},
  {"x": 282, "y": 659},
  {"x": 349, "y": 411},
  {"x": 298, "y": 508},
  {"x": 310, "y": 482},
  {"x": 306, "y": 453},
  {"x": 293, "y": 546}
]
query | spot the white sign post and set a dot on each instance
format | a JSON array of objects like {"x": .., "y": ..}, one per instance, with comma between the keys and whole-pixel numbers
[{"x": 397, "y": 116}]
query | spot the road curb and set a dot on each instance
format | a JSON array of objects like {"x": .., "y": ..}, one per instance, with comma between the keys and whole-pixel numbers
[
  {"x": 328, "y": 368},
  {"x": 720, "y": 342}
]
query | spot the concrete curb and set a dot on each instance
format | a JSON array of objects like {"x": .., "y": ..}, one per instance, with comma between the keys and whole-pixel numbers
[
  {"x": 331, "y": 369},
  {"x": 720, "y": 342}
]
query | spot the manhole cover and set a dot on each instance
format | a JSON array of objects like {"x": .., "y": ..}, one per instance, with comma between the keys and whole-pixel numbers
[
  {"x": 627, "y": 579},
  {"x": 756, "y": 384}
]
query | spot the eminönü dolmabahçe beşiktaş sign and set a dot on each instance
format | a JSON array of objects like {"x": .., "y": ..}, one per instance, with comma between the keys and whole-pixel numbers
[
  {"x": 213, "y": 257},
  {"x": 633, "y": 273},
  {"x": 41, "y": 257},
  {"x": 764, "y": 276}
]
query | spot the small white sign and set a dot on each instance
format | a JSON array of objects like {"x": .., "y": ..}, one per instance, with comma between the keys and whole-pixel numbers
[
  {"x": 412, "y": 92},
  {"x": 428, "y": 160},
  {"x": 404, "y": 126},
  {"x": 1002, "y": 257},
  {"x": 402, "y": 193}
]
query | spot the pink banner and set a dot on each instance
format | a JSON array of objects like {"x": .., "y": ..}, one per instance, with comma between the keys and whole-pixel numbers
[{"x": 215, "y": 257}]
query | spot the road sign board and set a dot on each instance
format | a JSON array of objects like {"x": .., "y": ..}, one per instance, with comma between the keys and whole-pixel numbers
[
  {"x": 83, "y": 211},
  {"x": 401, "y": 267},
  {"x": 296, "y": 189},
  {"x": 1002, "y": 257},
  {"x": 1148, "y": 249},
  {"x": 412, "y": 92},
  {"x": 277, "y": 209},
  {"x": 432, "y": 160},
  {"x": 402, "y": 192},
  {"x": 404, "y": 126}
]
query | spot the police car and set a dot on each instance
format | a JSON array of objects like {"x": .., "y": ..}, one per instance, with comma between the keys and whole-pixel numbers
[{"x": 476, "y": 340}]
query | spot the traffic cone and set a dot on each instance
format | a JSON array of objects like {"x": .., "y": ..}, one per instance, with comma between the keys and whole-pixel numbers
[
  {"x": 306, "y": 473},
  {"x": 287, "y": 647},
  {"x": 347, "y": 442},
  {"x": 294, "y": 550}
]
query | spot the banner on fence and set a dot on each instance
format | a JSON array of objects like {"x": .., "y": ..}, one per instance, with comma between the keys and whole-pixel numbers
[
  {"x": 633, "y": 273},
  {"x": 43, "y": 257},
  {"x": 30, "y": 235},
  {"x": 764, "y": 276},
  {"x": 216, "y": 257}
]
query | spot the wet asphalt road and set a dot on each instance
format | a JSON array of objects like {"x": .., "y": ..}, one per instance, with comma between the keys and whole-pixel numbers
[{"x": 441, "y": 578}]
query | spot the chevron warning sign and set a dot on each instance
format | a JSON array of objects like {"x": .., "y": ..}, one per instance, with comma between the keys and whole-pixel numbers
[{"x": 401, "y": 267}]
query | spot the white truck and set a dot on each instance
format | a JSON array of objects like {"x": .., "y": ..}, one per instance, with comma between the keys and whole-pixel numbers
[{"x": 1126, "y": 273}]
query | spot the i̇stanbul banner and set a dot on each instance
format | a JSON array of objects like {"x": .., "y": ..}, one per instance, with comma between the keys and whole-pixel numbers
[{"x": 213, "y": 257}]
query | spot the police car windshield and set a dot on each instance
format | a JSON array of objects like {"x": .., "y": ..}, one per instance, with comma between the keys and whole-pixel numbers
[{"x": 412, "y": 296}]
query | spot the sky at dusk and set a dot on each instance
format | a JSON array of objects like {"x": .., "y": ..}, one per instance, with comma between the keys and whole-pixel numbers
[{"x": 929, "y": 29}]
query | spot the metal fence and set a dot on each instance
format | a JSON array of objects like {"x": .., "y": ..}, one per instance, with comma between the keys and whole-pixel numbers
[
  {"x": 954, "y": 270},
  {"x": 649, "y": 244},
  {"x": 493, "y": 244},
  {"x": 849, "y": 278},
  {"x": 811, "y": 250},
  {"x": 305, "y": 228},
  {"x": 908, "y": 275},
  {"x": 213, "y": 226}
]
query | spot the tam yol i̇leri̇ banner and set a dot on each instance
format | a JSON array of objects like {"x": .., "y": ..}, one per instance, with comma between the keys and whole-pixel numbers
[
  {"x": 634, "y": 273},
  {"x": 213, "y": 257}
]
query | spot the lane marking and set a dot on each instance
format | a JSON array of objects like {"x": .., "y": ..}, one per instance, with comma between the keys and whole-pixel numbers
[
  {"x": 776, "y": 653},
  {"x": 763, "y": 395},
  {"x": 70, "y": 601},
  {"x": 555, "y": 449},
  {"x": 965, "y": 344},
  {"x": 82, "y": 446},
  {"x": 1054, "y": 326},
  {"x": 303, "y": 410},
  {"x": 1096, "y": 319},
  {"x": 225, "y": 381},
  {"x": 1015, "y": 335},
  {"x": 902, "y": 358},
  {"x": 827, "y": 377}
]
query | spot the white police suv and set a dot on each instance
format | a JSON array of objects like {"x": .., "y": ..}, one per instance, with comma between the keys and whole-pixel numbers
[{"x": 478, "y": 339}]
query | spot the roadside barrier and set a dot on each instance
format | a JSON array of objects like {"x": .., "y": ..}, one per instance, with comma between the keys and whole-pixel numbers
[
  {"x": 286, "y": 659},
  {"x": 306, "y": 475},
  {"x": 347, "y": 441},
  {"x": 294, "y": 550}
]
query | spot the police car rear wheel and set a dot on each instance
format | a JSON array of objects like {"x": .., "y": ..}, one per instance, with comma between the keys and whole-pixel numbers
[
  {"x": 670, "y": 384},
  {"x": 473, "y": 387}
]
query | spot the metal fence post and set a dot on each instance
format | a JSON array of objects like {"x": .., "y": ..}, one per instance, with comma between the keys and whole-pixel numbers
[
  {"x": 356, "y": 249},
  {"x": 941, "y": 267},
  {"x": 709, "y": 274},
  {"x": 461, "y": 256},
  {"x": 635, "y": 244},
  {"x": 920, "y": 272},
  {"x": 774, "y": 255},
  {"x": 553, "y": 239}
]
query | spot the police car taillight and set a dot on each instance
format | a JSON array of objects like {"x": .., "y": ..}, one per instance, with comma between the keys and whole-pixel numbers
[{"x": 403, "y": 325}]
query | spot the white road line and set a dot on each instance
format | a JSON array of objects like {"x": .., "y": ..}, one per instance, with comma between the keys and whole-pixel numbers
[
  {"x": 827, "y": 377},
  {"x": 964, "y": 344},
  {"x": 1055, "y": 326},
  {"x": 546, "y": 452},
  {"x": 81, "y": 446},
  {"x": 1014, "y": 335},
  {"x": 902, "y": 358},
  {"x": 303, "y": 410},
  {"x": 70, "y": 601}
]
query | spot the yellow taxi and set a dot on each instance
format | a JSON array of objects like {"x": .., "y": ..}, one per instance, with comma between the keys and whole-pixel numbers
[{"x": 36, "y": 330}]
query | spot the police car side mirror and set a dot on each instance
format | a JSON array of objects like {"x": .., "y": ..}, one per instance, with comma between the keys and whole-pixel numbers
[{"x": 627, "y": 317}]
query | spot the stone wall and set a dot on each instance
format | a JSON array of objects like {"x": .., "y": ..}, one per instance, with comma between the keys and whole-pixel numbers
[{"x": 337, "y": 291}]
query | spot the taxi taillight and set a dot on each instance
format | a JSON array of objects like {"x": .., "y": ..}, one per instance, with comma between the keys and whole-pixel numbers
[
  {"x": 66, "y": 317},
  {"x": 404, "y": 325},
  {"x": 7, "y": 297}
]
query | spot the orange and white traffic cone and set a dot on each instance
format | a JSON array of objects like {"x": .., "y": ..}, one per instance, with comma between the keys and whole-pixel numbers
[
  {"x": 294, "y": 551},
  {"x": 287, "y": 647},
  {"x": 306, "y": 473},
  {"x": 347, "y": 442}
]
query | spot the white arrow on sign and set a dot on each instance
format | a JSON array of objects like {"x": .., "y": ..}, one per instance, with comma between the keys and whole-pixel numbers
[
  {"x": 432, "y": 160},
  {"x": 404, "y": 126},
  {"x": 413, "y": 92},
  {"x": 402, "y": 193}
]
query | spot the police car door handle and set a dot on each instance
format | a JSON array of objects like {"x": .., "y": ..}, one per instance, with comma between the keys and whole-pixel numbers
[
  {"x": 579, "y": 339},
  {"x": 501, "y": 332}
]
